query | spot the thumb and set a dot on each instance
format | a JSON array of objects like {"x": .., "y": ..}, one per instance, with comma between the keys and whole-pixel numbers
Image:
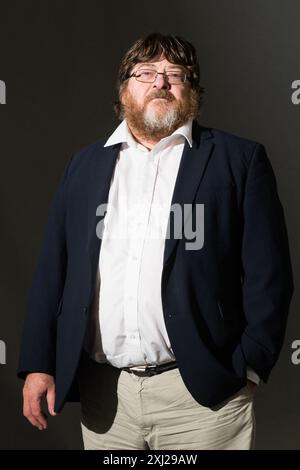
[{"x": 51, "y": 400}]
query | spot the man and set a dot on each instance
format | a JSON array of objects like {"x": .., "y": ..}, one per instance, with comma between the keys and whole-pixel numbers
[{"x": 164, "y": 281}]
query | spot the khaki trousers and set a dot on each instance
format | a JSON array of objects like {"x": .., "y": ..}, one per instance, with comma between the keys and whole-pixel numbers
[{"x": 123, "y": 411}]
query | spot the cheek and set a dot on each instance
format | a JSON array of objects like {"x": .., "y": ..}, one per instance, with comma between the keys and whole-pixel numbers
[
  {"x": 183, "y": 94},
  {"x": 137, "y": 96},
  {"x": 141, "y": 95}
]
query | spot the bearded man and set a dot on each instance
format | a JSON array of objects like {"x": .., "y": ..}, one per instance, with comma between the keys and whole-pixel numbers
[{"x": 164, "y": 281}]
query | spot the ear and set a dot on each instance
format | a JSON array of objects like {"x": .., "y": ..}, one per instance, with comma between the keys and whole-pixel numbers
[{"x": 123, "y": 93}]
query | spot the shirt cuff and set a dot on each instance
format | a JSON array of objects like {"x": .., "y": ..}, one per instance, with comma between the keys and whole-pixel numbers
[{"x": 251, "y": 375}]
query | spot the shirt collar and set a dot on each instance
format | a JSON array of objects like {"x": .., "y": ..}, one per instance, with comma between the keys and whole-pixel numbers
[{"x": 122, "y": 135}]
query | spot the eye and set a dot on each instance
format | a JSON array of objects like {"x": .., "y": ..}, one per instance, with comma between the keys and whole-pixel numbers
[
  {"x": 177, "y": 75},
  {"x": 146, "y": 73}
]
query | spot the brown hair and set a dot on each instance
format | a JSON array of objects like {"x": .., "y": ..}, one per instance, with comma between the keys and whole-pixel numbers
[{"x": 176, "y": 50}]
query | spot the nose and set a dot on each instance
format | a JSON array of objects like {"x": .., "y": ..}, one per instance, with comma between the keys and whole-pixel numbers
[{"x": 161, "y": 81}]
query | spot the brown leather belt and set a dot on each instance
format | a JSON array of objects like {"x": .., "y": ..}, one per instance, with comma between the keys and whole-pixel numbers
[{"x": 151, "y": 370}]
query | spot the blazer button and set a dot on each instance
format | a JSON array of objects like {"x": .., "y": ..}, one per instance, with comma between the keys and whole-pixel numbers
[
  {"x": 170, "y": 315},
  {"x": 85, "y": 310}
]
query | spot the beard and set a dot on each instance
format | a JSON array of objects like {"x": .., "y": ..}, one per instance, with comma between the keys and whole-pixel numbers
[{"x": 161, "y": 118}]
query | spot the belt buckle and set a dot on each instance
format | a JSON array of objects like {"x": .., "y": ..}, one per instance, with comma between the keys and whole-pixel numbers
[{"x": 147, "y": 371}]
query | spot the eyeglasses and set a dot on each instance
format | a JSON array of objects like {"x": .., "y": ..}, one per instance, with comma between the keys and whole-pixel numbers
[{"x": 175, "y": 77}]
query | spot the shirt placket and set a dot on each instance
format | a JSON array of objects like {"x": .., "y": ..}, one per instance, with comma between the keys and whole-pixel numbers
[{"x": 138, "y": 226}]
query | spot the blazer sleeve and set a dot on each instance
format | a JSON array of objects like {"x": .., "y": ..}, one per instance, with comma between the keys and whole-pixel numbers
[
  {"x": 266, "y": 267},
  {"x": 39, "y": 333}
]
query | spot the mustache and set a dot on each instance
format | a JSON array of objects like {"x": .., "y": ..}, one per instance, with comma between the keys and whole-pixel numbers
[{"x": 161, "y": 94}]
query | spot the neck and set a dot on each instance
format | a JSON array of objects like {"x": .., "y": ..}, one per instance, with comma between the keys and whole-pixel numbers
[{"x": 146, "y": 141}]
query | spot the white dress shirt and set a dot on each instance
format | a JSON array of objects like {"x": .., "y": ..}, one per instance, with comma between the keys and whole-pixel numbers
[
  {"x": 126, "y": 326},
  {"x": 127, "y": 301}
]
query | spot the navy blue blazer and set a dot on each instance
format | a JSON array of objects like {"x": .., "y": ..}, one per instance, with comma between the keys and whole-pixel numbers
[{"x": 225, "y": 305}]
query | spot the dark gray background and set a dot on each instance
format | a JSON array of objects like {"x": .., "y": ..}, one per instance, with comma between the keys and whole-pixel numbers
[{"x": 59, "y": 60}]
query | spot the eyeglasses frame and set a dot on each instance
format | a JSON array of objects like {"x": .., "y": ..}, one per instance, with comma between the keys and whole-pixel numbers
[{"x": 159, "y": 73}]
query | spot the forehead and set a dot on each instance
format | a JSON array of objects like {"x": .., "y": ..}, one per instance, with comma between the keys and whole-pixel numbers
[{"x": 162, "y": 62}]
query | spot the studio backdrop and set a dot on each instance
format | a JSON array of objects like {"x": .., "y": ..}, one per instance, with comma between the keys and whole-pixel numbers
[{"x": 58, "y": 69}]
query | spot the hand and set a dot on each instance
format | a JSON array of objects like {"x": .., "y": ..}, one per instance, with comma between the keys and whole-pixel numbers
[
  {"x": 37, "y": 387},
  {"x": 252, "y": 385}
]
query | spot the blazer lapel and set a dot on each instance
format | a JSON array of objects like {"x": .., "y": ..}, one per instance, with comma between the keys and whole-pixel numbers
[
  {"x": 101, "y": 174},
  {"x": 191, "y": 170}
]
